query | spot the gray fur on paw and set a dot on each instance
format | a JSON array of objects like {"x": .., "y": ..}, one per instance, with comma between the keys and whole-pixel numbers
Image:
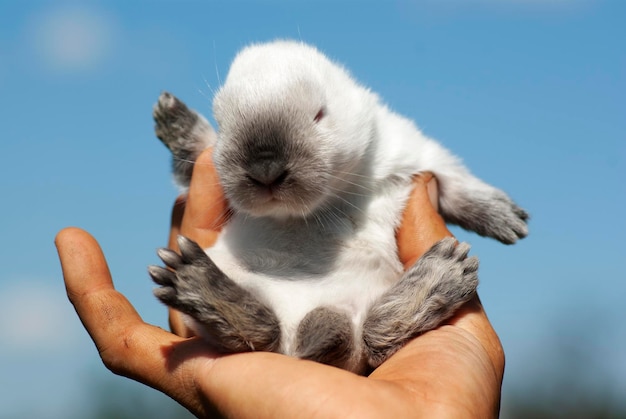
[
  {"x": 491, "y": 214},
  {"x": 183, "y": 131},
  {"x": 232, "y": 318},
  {"x": 429, "y": 293},
  {"x": 503, "y": 219},
  {"x": 174, "y": 122}
]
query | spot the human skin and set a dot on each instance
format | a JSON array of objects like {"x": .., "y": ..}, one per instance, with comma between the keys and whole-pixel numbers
[{"x": 454, "y": 371}]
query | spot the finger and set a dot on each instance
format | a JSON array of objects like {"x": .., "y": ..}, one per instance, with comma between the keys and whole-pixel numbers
[
  {"x": 199, "y": 216},
  {"x": 178, "y": 210},
  {"x": 88, "y": 285},
  {"x": 176, "y": 323},
  {"x": 126, "y": 344},
  {"x": 421, "y": 226},
  {"x": 205, "y": 211}
]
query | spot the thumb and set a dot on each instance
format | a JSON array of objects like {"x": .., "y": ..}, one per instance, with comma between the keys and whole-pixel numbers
[
  {"x": 206, "y": 210},
  {"x": 421, "y": 226}
]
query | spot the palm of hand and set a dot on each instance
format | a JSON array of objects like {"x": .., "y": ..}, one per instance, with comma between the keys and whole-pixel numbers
[{"x": 453, "y": 371}]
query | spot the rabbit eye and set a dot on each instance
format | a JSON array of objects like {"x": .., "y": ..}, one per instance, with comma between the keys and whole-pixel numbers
[{"x": 319, "y": 115}]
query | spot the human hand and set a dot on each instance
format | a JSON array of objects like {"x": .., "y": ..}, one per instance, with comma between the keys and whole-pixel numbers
[
  {"x": 458, "y": 367},
  {"x": 200, "y": 216},
  {"x": 453, "y": 371}
]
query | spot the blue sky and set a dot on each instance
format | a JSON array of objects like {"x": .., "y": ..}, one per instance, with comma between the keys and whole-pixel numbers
[{"x": 530, "y": 93}]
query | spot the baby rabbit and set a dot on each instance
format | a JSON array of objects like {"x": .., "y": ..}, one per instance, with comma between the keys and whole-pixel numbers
[{"x": 317, "y": 172}]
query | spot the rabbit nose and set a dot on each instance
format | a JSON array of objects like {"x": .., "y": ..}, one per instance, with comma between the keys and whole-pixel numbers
[{"x": 267, "y": 170}]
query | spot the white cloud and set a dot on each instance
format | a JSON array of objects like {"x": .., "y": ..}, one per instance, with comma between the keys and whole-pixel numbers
[
  {"x": 72, "y": 40},
  {"x": 36, "y": 315}
]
